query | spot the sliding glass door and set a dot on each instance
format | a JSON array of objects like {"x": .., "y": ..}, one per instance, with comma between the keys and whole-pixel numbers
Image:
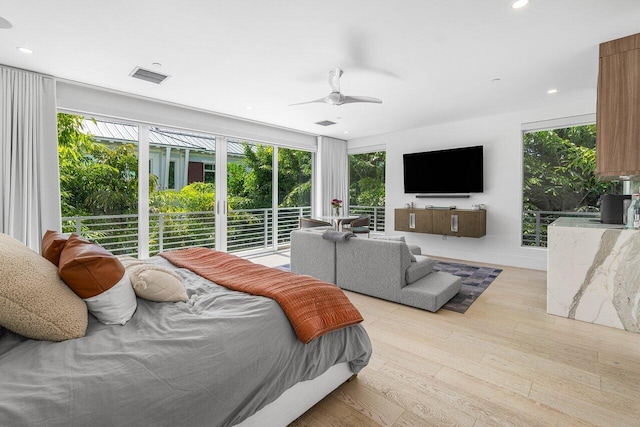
[
  {"x": 99, "y": 181},
  {"x": 200, "y": 189}
]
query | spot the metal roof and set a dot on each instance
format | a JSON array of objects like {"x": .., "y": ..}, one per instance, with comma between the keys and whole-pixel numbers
[{"x": 119, "y": 132}]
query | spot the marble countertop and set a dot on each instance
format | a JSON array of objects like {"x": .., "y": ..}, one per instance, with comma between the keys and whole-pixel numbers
[{"x": 583, "y": 223}]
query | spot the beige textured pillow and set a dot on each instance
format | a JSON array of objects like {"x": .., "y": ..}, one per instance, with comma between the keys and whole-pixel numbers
[
  {"x": 153, "y": 282},
  {"x": 156, "y": 283},
  {"x": 34, "y": 302}
]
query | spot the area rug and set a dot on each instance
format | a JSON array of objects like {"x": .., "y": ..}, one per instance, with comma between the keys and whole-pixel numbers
[{"x": 474, "y": 281}]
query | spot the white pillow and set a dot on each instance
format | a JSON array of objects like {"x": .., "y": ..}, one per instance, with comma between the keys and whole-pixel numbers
[
  {"x": 116, "y": 305},
  {"x": 97, "y": 277}
]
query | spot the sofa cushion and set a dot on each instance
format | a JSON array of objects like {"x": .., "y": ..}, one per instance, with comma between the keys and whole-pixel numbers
[
  {"x": 52, "y": 244},
  {"x": 34, "y": 302},
  {"x": 432, "y": 291},
  {"x": 97, "y": 276},
  {"x": 419, "y": 268},
  {"x": 400, "y": 239}
]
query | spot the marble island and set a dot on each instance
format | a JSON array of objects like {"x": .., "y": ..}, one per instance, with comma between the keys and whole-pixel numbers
[{"x": 593, "y": 273}]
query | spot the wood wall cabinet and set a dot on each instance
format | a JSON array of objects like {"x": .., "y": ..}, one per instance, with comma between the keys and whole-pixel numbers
[
  {"x": 419, "y": 220},
  {"x": 618, "y": 108},
  {"x": 447, "y": 222}
]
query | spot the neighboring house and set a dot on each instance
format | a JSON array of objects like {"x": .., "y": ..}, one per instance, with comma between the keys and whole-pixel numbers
[{"x": 176, "y": 158}]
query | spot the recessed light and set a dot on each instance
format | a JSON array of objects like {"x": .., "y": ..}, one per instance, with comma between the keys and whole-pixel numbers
[
  {"x": 249, "y": 107},
  {"x": 346, "y": 131},
  {"x": 519, "y": 4},
  {"x": 552, "y": 91},
  {"x": 157, "y": 65},
  {"x": 497, "y": 79},
  {"x": 25, "y": 50}
]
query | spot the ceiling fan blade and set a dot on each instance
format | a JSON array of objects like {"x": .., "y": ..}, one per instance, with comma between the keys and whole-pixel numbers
[
  {"x": 324, "y": 100},
  {"x": 352, "y": 99},
  {"x": 4, "y": 24},
  {"x": 334, "y": 79}
]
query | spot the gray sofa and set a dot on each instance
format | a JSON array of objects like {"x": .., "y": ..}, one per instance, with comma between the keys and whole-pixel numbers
[{"x": 380, "y": 268}]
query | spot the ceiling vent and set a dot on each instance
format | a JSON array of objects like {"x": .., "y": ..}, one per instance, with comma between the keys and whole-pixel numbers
[
  {"x": 148, "y": 76},
  {"x": 325, "y": 123}
]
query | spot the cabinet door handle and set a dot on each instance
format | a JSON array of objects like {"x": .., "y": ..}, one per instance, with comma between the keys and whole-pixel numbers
[
  {"x": 412, "y": 220},
  {"x": 454, "y": 223}
]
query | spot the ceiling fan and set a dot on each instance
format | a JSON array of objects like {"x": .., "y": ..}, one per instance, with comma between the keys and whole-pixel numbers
[{"x": 336, "y": 97}]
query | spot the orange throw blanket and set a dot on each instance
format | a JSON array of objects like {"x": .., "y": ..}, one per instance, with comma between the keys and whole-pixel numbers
[{"x": 313, "y": 307}]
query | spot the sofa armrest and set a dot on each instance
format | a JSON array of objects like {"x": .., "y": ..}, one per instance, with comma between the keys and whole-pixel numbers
[{"x": 419, "y": 268}]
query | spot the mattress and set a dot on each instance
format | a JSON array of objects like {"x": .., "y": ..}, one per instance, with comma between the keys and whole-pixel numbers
[{"x": 213, "y": 360}]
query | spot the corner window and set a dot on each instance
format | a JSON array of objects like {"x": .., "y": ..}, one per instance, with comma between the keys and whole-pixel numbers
[{"x": 559, "y": 179}]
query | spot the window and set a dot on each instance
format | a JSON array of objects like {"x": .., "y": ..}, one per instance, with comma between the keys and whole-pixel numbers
[
  {"x": 209, "y": 173},
  {"x": 559, "y": 179},
  {"x": 172, "y": 176},
  {"x": 367, "y": 186}
]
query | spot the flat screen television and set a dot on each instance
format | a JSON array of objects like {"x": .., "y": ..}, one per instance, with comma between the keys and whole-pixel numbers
[{"x": 457, "y": 170}]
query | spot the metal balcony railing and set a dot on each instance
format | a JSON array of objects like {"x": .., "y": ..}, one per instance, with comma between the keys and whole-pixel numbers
[
  {"x": 376, "y": 215},
  {"x": 535, "y": 223},
  {"x": 247, "y": 229}
]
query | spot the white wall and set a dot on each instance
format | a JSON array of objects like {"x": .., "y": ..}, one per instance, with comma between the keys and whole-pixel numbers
[{"x": 501, "y": 137}]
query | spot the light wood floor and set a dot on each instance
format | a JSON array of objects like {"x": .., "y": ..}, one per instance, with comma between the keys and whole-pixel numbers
[{"x": 504, "y": 362}]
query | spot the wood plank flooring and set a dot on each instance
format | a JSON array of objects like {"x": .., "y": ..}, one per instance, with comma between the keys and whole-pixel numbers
[{"x": 504, "y": 362}]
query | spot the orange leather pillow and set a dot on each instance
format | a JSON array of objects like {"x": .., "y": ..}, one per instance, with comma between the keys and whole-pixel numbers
[
  {"x": 52, "y": 244},
  {"x": 99, "y": 278}
]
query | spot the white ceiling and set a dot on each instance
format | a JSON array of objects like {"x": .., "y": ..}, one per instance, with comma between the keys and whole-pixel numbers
[{"x": 430, "y": 61}]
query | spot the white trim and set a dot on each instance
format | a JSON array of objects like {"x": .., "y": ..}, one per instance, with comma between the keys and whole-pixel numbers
[
  {"x": 143, "y": 191},
  {"x": 274, "y": 198},
  {"x": 564, "y": 122},
  {"x": 367, "y": 149}
]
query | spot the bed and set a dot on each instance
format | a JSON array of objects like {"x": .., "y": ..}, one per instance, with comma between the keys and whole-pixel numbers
[{"x": 221, "y": 358}]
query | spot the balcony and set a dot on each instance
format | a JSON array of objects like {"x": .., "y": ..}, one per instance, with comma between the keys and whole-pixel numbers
[
  {"x": 535, "y": 223},
  {"x": 247, "y": 229}
]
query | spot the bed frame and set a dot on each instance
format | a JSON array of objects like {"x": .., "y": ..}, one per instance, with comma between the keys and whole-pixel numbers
[{"x": 300, "y": 398}]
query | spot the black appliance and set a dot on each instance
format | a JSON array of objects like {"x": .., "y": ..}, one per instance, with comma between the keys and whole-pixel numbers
[{"x": 612, "y": 208}]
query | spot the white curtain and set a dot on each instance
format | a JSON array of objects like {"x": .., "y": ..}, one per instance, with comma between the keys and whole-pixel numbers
[
  {"x": 332, "y": 175},
  {"x": 29, "y": 177}
]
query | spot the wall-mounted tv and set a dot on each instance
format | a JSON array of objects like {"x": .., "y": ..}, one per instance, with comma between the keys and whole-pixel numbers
[{"x": 458, "y": 170}]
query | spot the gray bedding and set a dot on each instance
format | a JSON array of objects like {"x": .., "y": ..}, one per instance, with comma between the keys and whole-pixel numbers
[{"x": 213, "y": 360}]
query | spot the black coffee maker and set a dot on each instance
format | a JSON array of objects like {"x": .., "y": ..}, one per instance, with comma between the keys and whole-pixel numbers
[{"x": 612, "y": 208}]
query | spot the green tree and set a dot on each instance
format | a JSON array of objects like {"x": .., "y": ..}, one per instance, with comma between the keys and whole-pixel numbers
[
  {"x": 95, "y": 179},
  {"x": 367, "y": 179},
  {"x": 250, "y": 182},
  {"x": 559, "y": 170},
  {"x": 294, "y": 178}
]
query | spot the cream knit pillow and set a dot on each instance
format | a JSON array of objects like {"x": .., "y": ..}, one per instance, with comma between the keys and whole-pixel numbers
[
  {"x": 153, "y": 282},
  {"x": 34, "y": 302}
]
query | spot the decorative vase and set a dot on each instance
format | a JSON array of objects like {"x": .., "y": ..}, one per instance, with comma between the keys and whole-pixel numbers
[{"x": 336, "y": 211}]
